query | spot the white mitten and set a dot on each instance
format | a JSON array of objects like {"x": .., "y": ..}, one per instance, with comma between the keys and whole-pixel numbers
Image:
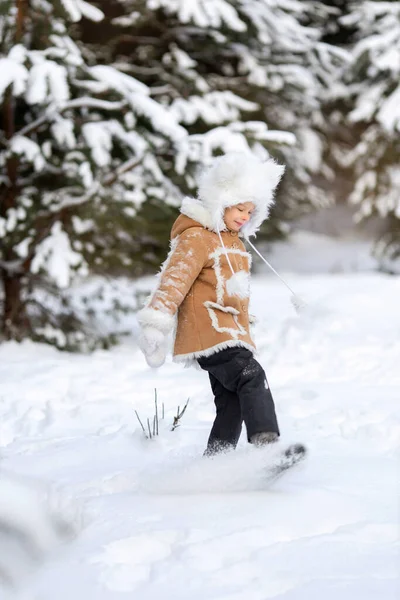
[
  {"x": 153, "y": 341},
  {"x": 153, "y": 344}
]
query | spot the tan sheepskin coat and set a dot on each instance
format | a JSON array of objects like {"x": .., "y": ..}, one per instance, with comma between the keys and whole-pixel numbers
[
  {"x": 203, "y": 288},
  {"x": 192, "y": 285}
]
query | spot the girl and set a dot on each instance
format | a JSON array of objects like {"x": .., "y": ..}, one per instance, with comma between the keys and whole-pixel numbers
[{"x": 203, "y": 291}]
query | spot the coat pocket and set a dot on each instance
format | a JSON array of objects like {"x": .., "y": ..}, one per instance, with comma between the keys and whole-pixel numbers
[{"x": 224, "y": 319}]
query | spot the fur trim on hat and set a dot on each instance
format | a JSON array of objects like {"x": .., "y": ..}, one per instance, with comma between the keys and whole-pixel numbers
[{"x": 233, "y": 179}]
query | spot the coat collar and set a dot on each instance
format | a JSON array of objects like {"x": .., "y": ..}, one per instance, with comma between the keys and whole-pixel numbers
[{"x": 195, "y": 209}]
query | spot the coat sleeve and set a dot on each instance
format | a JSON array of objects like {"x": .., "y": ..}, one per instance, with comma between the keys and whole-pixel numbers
[{"x": 186, "y": 259}]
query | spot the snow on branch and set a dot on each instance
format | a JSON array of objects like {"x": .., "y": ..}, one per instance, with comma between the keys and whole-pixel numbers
[
  {"x": 213, "y": 108},
  {"x": 56, "y": 255},
  {"x": 14, "y": 74},
  {"x": 235, "y": 137},
  {"x": 29, "y": 150},
  {"x": 99, "y": 137},
  {"x": 138, "y": 96},
  {"x": 203, "y": 13},
  {"x": 113, "y": 79},
  {"x": 258, "y": 130},
  {"x": 77, "y": 9},
  {"x": 374, "y": 71},
  {"x": 47, "y": 79},
  {"x": 161, "y": 119}
]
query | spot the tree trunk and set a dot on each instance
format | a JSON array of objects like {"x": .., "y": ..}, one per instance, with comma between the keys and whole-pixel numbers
[
  {"x": 22, "y": 6},
  {"x": 15, "y": 321}
]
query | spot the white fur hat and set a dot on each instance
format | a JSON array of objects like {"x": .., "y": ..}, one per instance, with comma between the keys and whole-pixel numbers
[{"x": 235, "y": 178}]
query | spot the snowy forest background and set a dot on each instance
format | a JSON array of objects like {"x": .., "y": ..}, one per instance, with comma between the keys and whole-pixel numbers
[{"x": 108, "y": 109}]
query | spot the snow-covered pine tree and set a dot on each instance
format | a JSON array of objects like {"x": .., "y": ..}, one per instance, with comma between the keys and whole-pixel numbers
[
  {"x": 85, "y": 145},
  {"x": 210, "y": 61},
  {"x": 82, "y": 145},
  {"x": 368, "y": 96}
]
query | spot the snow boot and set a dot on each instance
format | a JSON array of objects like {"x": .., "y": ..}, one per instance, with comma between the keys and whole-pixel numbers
[{"x": 264, "y": 438}]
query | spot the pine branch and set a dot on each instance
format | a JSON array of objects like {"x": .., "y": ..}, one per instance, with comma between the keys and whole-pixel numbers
[
  {"x": 52, "y": 111},
  {"x": 161, "y": 89},
  {"x": 44, "y": 223},
  {"x": 139, "y": 40},
  {"x": 127, "y": 166},
  {"x": 97, "y": 185},
  {"x": 140, "y": 70}
]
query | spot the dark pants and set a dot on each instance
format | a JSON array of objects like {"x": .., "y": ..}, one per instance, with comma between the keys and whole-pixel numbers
[{"x": 241, "y": 393}]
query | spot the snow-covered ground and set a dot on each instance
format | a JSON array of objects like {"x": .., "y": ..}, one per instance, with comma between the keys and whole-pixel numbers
[
  {"x": 310, "y": 252},
  {"x": 163, "y": 522}
]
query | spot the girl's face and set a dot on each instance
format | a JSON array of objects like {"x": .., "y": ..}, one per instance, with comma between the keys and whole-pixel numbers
[{"x": 236, "y": 216}]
